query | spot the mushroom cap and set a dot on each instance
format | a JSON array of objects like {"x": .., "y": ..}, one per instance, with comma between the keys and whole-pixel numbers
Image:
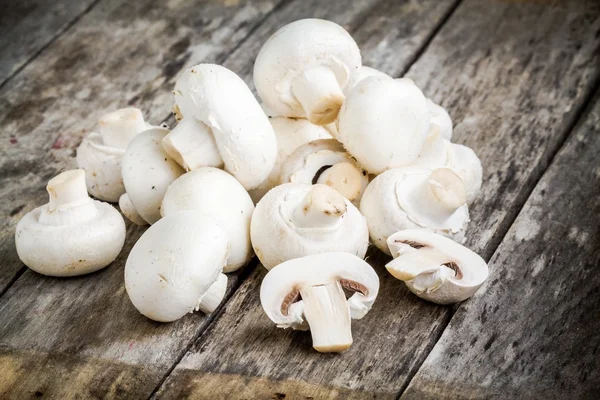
[
  {"x": 384, "y": 123},
  {"x": 221, "y": 100},
  {"x": 290, "y": 133},
  {"x": 393, "y": 202},
  {"x": 434, "y": 267},
  {"x": 465, "y": 163},
  {"x": 440, "y": 120},
  {"x": 174, "y": 263},
  {"x": 81, "y": 237},
  {"x": 129, "y": 211},
  {"x": 365, "y": 72},
  {"x": 353, "y": 273},
  {"x": 147, "y": 173},
  {"x": 310, "y": 162},
  {"x": 277, "y": 236},
  {"x": 298, "y": 46},
  {"x": 214, "y": 192}
]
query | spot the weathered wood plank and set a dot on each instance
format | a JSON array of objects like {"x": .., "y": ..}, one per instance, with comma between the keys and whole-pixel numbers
[
  {"x": 532, "y": 332},
  {"x": 26, "y": 27},
  {"x": 81, "y": 337},
  {"x": 513, "y": 76}
]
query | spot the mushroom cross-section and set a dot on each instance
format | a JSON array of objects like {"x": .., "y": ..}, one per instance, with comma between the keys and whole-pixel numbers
[
  {"x": 101, "y": 151},
  {"x": 326, "y": 161},
  {"x": 311, "y": 288},
  {"x": 434, "y": 267},
  {"x": 415, "y": 197},
  {"x": 72, "y": 234},
  {"x": 214, "y": 192},
  {"x": 384, "y": 123},
  {"x": 222, "y": 124},
  {"x": 303, "y": 68},
  {"x": 295, "y": 220},
  {"x": 176, "y": 267}
]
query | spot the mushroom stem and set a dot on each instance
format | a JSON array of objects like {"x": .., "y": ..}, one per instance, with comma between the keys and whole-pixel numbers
[
  {"x": 327, "y": 313},
  {"x": 442, "y": 194},
  {"x": 214, "y": 296},
  {"x": 319, "y": 93},
  {"x": 345, "y": 178},
  {"x": 192, "y": 145},
  {"x": 67, "y": 190},
  {"x": 414, "y": 263},
  {"x": 129, "y": 210},
  {"x": 321, "y": 207},
  {"x": 119, "y": 127}
]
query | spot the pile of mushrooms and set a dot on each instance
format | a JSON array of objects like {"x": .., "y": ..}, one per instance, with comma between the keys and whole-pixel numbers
[{"x": 339, "y": 155}]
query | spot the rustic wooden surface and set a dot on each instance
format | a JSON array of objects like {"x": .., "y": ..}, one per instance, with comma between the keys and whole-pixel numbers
[{"x": 515, "y": 76}]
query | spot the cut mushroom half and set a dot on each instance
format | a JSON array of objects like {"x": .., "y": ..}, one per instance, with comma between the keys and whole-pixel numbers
[
  {"x": 434, "y": 267},
  {"x": 326, "y": 161},
  {"x": 311, "y": 289},
  {"x": 415, "y": 197}
]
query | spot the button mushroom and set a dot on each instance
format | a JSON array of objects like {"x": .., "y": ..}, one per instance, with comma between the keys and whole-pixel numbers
[
  {"x": 303, "y": 68},
  {"x": 72, "y": 234},
  {"x": 218, "y": 194},
  {"x": 100, "y": 152},
  {"x": 312, "y": 288},
  {"x": 222, "y": 124},
  {"x": 434, "y": 267},
  {"x": 414, "y": 197},
  {"x": 176, "y": 267},
  {"x": 384, "y": 123},
  {"x": 290, "y": 133},
  {"x": 326, "y": 161},
  {"x": 147, "y": 172},
  {"x": 440, "y": 120},
  {"x": 365, "y": 72},
  {"x": 295, "y": 220}
]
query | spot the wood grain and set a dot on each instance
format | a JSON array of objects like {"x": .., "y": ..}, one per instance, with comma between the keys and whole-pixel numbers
[
  {"x": 27, "y": 26},
  {"x": 514, "y": 76},
  {"x": 531, "y": 332}
]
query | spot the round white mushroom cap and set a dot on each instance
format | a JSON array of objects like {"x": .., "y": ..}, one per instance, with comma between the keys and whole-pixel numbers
[
  {"x": 147, "y": 173},
  {"x": 414, "y": 197},
  {"x": 100, "y": 153},
  {"x": 303, "y": 68},
  {"x": 440, "y": 120},
  {"x": 176, "y": 267},
  {"x": 72, "y": 234},
  {"x": 214, "y": 192},
  {"x": 222, "y": 124},
  {"x": 294, "y": 220},
  {"x": 326, "y": 161},
  {"x": 434, "y": 267},
  {"x": 365, "y": 72},
  {"x": 384, "y": 123},
  {"x": 290, "y": 133},
  {"x": 311, "y": 288}
]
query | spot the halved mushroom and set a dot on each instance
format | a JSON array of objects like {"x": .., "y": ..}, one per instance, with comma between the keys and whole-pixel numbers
[
  {"x": 303, "y": 68},
  {"x": 100, "y": 153},
  {"x": 222, "y": 124},
  {"x": 295, "y": 220},
  {"x": 434, "y": 267},
  {"x": 312, "y": 288},
  {"x": 415, "y": 197},
  {"x": 326, "y": 161}
]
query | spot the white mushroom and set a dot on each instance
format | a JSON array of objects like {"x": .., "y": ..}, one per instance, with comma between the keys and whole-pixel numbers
[
  {"x": 129, "y": 211},
  {"x": 147, "y": 172},
  {"x": 176, "y": 267},
  {"x": 72, "y": 234},
  {"x": 222, "y": 124},
  {"x": 311, "y": 288},
  {"x": 294, "y": 220},
  {"x": 384, "y": 123},
  {"x": 434, "y": 267},
  {"x": 415, "y": 197},
  {"x": 440, "y": 120},
  {"x": 290, "y": 133},
  {"x": 365, "y": 72},
  {"x": 100, "y": 152},
  {"x": 326, "y": 161},
  {"x": 303, "y": 68},
  {"x": 218, "y": 194}
]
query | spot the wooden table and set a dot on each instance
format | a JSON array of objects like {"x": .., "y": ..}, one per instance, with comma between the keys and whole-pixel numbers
[{"x": 519, "y": 78}]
